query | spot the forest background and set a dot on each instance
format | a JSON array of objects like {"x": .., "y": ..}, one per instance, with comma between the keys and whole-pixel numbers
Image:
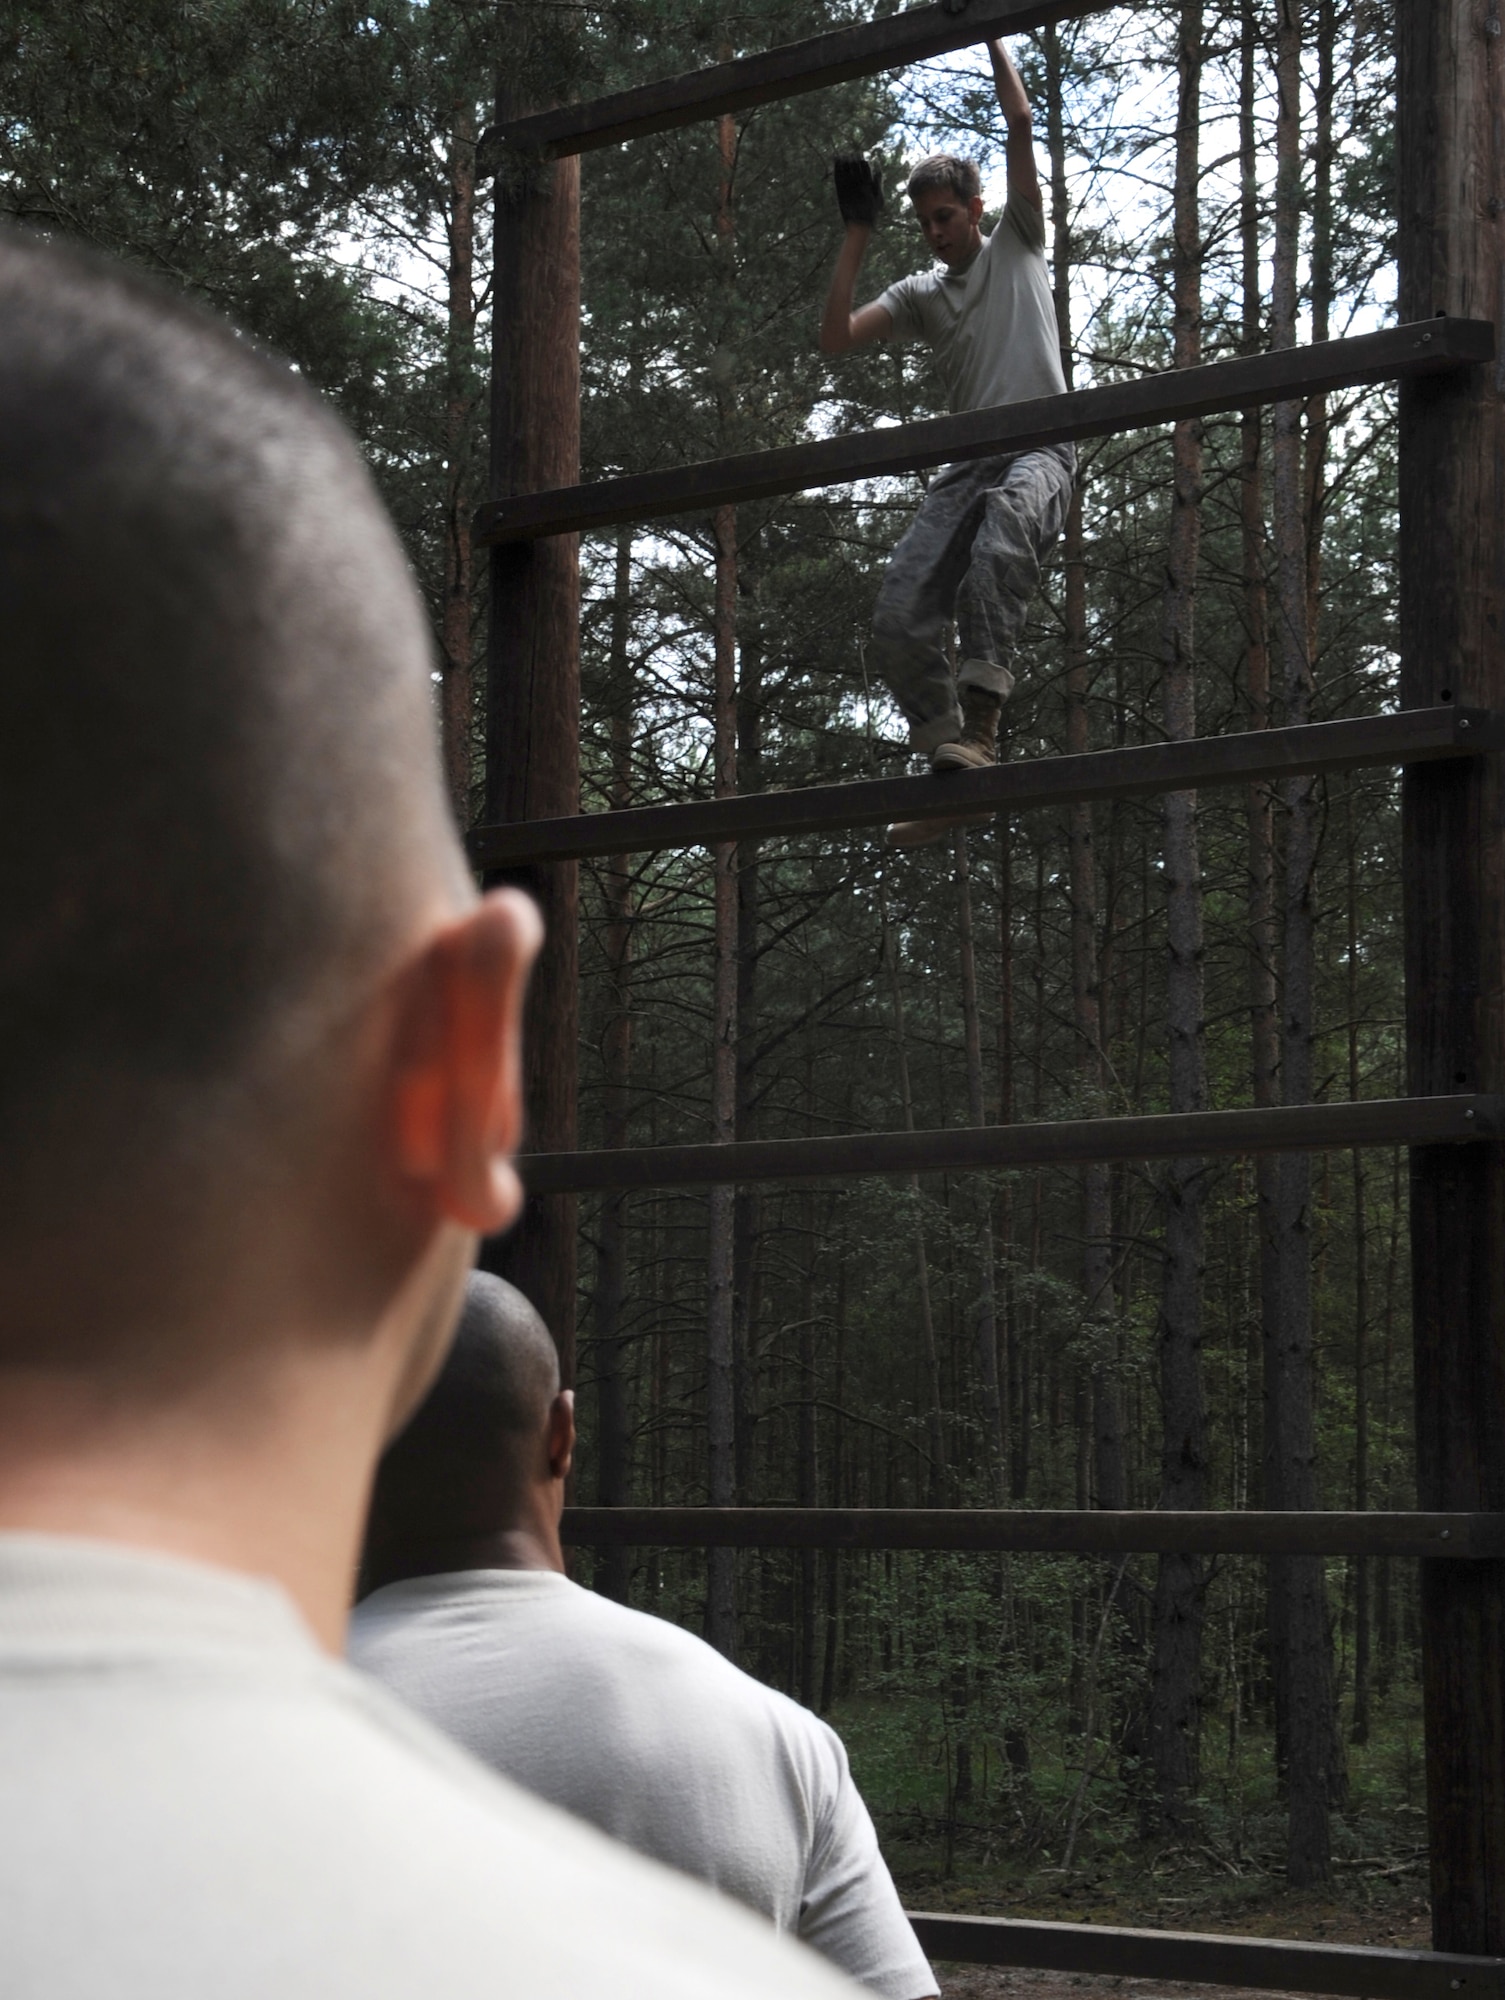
[{"x": 1141, "y": 1736}]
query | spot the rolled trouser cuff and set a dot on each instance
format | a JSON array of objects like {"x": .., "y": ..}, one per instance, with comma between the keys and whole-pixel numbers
[
  {"x": 927, "y": 736},
  {"x": 984, "y": 674}
]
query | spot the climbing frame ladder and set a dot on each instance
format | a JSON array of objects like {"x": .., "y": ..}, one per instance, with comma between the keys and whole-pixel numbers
[{"x": 1448, "y": 741}]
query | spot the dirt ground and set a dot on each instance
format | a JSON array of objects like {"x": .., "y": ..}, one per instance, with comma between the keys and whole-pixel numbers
[{"x": 988, "y": 1982}]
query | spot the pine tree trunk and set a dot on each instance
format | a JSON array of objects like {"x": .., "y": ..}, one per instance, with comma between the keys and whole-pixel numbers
[
  {"x": 1015, "y": 1346},
  {"x": 457, "y": 610},
  {"x": 1086, "y": 989},
  {"x": 987, "y": 1307},
  {"x": 721, "y": 1414},
  {"x": 613, "y": 1442},
  {"x": 721, "y": 1328},
  {"x": 1299, "y": 1621},
  {"x": 1264, "y": 1019},
  {"x": 835, "y": 1572},
  {"x": 533, "y": 680},
  {"x": 748, "y": 1219},
  {"x": 807, "y": 1470},
  {"x": 1362, "y": 1623},
  {"x": 1175, "y": 1691},
  {"x": 936, "y": 1413}
]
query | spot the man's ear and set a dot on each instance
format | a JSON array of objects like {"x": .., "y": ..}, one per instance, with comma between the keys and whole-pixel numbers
[
  {"x": 975, "y": 207},
  {"x": 562, "y": 1435},
  {"x": 458, "y": 1095}
]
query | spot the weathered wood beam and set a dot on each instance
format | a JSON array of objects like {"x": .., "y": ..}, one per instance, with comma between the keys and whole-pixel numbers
[
  {"x": 1287, "y": 1128},
  {"x": 1143, "y": 771},
  {"x": 1451, "y": 169},
  {"x": 1028, "y": 1531},
  {"x": 1280, "y": 1965},
  {"x": 865, "y": 49},
  {"x": 1239, "y": 384},
  {"x": 533, "y": 674}
]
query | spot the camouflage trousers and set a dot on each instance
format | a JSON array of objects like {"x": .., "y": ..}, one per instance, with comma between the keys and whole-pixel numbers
[{"x": 972, "y": 553}]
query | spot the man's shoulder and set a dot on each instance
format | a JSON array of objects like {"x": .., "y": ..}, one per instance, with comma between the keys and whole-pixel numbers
[
  {"x": 1020, "y": 230},
  {"x": 314, "y": 1838},
  {"x": 647, "y": 1924},
  {"x": 909, "y": 299},
  {"x": 917, "y": 286}
]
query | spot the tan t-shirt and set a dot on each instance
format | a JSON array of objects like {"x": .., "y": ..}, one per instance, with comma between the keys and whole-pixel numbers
[
  {"x": 991, "y": 328},
  {"x": 197, "y": 1804}
]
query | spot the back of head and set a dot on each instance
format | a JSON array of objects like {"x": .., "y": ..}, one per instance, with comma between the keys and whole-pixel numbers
[
  {"x": 460, "y": 1469},
  {"x": 219, "y": 795},
  {"x": 945, "y": 170}
]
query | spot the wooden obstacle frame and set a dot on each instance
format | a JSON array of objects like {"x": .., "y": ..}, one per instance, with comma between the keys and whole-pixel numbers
[{"x": 1447, "y": 740}]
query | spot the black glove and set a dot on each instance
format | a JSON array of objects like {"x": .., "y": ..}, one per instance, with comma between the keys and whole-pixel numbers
[{"x": 859, "y": 191}]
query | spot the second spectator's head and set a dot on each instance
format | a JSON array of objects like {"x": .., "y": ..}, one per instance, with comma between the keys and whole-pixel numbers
[
  {"x": 258, "y": 1036},
  {"x": 477, "y": 1478}
]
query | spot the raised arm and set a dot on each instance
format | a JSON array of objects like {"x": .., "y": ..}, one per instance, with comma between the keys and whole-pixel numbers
[
  {"x": 860, "y": 195},
  {"x": 842, "y": 329},
  {"x": 1024, "y": 178}
]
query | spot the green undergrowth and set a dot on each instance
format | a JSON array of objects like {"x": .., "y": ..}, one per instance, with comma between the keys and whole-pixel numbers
[{"x": 1045, "y": 1844}]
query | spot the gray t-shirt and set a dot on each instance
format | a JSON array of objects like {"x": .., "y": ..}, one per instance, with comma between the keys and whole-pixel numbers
[
  {"x": 654, "y": 1737},
  {"x": 992, "y": 328},
  {"x": 196, "y": 1801}
]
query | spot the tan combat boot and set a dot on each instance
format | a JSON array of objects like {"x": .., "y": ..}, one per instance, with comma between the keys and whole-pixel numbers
[
  {"x": 974, "y": 750},
  {"x": 977, "y": 746}
]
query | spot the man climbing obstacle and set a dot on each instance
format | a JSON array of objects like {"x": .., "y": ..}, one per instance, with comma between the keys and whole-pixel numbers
[{"x": 974, "y": 549}]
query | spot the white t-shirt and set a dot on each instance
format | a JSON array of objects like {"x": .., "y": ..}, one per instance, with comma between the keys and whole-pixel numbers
[
  {"x": 197, "y": 1804},
  {"x": 992, "y": 328},
  {"x": 651, "y": 1735}
]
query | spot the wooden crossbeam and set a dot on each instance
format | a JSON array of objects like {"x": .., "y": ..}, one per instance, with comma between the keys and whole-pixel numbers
[
  {"x": 1292, "y": 1128},
  {"x": 1242, "y": 383},
  {"x": 1042, "y": 1531},
  {"x": 1415, "y": 736},
  {"x": 864, "y": 49},
  {"x": 1281, "y": 1965}
]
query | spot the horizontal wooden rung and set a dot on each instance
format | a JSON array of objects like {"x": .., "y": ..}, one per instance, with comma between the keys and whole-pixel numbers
[
  {"x": 1414, "y": 736},
  {"x": 1281, "y": 1965},
  {"x": 1289, "y": 1128},
  {"x": 1038, "y": 1531},
  {"x": 1237, "y": 384},
  {"x": 864, "y": 49}
]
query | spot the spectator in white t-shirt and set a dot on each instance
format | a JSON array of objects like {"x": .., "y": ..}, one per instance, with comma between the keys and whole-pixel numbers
[
  {"x": 621, "y": 1718},
  {"x": 259, "y": 1094}
]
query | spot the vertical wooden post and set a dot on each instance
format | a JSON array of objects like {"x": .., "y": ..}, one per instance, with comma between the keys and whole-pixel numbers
[
  {"x": 533, "y": 667},
  {"x": 1452, "y": 541}
]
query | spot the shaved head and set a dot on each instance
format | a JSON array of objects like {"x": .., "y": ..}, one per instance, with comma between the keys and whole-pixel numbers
[
  {"x": 219, "y": 792},
  {"x": 459, "y": 1470}
]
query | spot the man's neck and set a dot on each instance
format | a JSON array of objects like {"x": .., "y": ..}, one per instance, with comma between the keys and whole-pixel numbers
[
  {"x": 964, "y": 264},
  {"x": 288, "y": 1510},
  {"x": 531, "y": 1546}
]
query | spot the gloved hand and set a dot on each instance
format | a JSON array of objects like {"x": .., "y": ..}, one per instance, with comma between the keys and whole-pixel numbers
[{"x": 859, "y": 191}]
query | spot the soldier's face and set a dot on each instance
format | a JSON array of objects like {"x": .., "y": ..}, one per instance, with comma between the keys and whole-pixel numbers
[{"x": 949, "y": 224}]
